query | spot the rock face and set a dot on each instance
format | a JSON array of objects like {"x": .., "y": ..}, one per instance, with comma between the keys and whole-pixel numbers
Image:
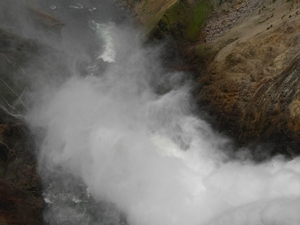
[
  {"x": 183, "y": 21},
  {"x": 21, "y": 200},
  {"x": 244, "y": 57},
  {"x": 252, "y": 83},
  {"x": 148, "y": 13},
  {"x": 223, "y": 22},
  {"x": 20, "y": 187}
]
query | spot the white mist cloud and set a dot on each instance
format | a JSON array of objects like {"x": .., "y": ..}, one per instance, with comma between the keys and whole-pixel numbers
[{"x": 147, "y": 154}]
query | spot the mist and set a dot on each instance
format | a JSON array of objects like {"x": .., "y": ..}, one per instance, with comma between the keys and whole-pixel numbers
[{"x": 119, "y": 142}]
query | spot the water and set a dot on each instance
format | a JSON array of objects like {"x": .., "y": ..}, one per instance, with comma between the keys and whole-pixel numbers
[{"x": 119, "y": 143}]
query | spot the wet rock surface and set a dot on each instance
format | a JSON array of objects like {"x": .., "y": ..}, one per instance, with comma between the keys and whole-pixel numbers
[
  {"x": 21, "y": 200},
  {"x": 20, "y": 187}
]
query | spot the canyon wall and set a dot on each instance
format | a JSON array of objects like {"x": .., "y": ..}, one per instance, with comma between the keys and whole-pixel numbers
[{"x": 244, "y": 58}]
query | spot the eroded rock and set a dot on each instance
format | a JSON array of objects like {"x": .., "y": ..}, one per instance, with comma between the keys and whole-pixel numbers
[{"x": 251, "y": 83}]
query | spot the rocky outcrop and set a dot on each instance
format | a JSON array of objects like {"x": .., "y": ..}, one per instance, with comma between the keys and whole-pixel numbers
[
  {"x": 244, "y": 57},
  {"x": 252, "y": 79},
  {"x": 148, "y": 13},
  {"x": 44, "y": 20},
  {"x": 183, "y": 21}
]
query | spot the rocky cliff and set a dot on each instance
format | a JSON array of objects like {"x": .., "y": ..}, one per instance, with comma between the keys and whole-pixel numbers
[
  {"x": 20, "y": 187},
  {"x": 21, "y": 201},
  {"x": 251, "y": 81},
  {"x": 244, "y": 57}
]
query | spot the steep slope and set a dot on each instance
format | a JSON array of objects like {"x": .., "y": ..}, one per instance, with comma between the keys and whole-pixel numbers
[
  {"x": 21, "y": 200},
  {"x": 251, "y": 84},
  {"x": 244, "y": 56}
]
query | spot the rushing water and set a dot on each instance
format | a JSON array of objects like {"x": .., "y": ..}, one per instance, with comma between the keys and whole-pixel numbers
[{"x": 115, "y": 150}]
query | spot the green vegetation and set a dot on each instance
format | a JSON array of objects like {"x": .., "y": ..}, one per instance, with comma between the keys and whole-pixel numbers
[
  {"x": 199, "y": 13},
  {"x": 204, "y": 52},
  {"x": 229, "y": 60},
  {"x": 184, "y": 20},
  {"x": 283, "y": 16}
]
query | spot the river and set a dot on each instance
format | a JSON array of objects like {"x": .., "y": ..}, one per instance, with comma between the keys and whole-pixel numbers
[{"x": 119, "y": 142}]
